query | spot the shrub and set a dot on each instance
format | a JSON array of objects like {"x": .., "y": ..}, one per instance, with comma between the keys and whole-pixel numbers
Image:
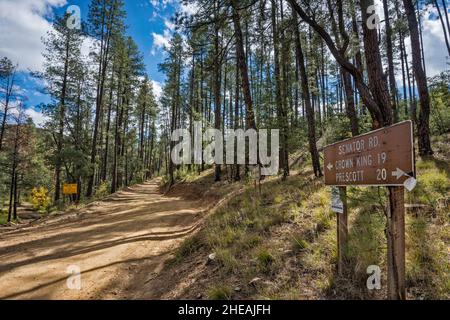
[
  {"x": 250, "y": 241},
  {"x": 102, "y": 190},
  {"x": 220, "y": 292},
  {"x": 298, "y": 244},
  {"x": 40, "y": 199},
  {"x": 265, "y": 260},
  {"x": 227, "y": 260},
  {"x": 433, "y": 185},
  {"x": 188, "y": 247}
]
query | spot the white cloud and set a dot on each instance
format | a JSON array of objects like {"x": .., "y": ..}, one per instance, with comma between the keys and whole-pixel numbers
[
  {"x": 157, "y": 89},
  {"x": 38, "y": 117},
  {"x": 169, "y": 24},
  {"x": 436, "y": 56},
  {"x": 161, "y": 40},
  {"x": 433, "y": 41},
  {"x": 22, "y": 24},
  {"x": 160, "y": 5},
  {"x": 189, "y": 8}
]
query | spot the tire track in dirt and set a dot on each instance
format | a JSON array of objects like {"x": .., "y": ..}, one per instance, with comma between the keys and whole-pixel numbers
[{"x": 120, "y": 244}]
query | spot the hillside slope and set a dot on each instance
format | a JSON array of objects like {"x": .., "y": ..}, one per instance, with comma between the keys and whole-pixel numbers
[{"x": 281, "y": 245}]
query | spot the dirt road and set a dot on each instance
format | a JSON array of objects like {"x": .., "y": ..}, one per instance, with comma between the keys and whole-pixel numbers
[{"x": 119, "y": 244}]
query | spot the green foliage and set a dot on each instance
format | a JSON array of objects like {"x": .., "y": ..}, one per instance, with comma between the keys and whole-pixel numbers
[
  {"x": 181, "y": 174},
  {"x": 298, "y": 138},
  {"x": 337, "y": 129},
  {"x": 227, "y": 260},
  {"x": 102, "y": 190},
  {"x": 440, "y": 104},
  {"x": 433, "y": 185},
  {"x": 366, "y": 242},
  {"x": 298, "y": 244},
  {"x": 250, "y": 240},
  {"x": 428, "y": 266},
  {"x": 265, "y": 260},
  {"x": 221, "y": 292},
  {"x": 225, "y": 238},
  {"x": 3, "y": 218},
  {"x": 164, "y": 181},
  {"x": 291, "y": 223},
  {"x": 188, "y": 247}
]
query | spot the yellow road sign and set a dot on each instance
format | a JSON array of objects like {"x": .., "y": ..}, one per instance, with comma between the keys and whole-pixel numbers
[{"x": 69, "y": 189}]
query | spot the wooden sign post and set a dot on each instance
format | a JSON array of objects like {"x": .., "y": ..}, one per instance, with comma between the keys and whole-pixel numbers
[
  {"x": 342, "y": 229},
  {"x": 383, "y": 157},
  {"x": 339, "y": 206},
  {"x": 396, "y": 244}
]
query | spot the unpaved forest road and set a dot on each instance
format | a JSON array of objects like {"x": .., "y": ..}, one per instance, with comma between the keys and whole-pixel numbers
[{"x": 120, "y": 244}]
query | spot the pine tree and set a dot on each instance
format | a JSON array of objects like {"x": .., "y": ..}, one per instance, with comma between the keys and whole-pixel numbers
[
  {"x": 106, "y": 21},
  {"x": 173, "y": 68},
  {"x": 7, "y": 91},
  {"x": 62, "y": 57}
]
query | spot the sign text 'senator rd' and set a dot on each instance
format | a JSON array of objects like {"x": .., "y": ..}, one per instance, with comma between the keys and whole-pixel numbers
[{"x": 383, "y": 157}]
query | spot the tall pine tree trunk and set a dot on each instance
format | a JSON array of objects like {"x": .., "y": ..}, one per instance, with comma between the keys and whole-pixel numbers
[
  {"x": 279, "y": 96},
  {"x": 444, "y": 29},
  {"x": 13, "y": 173},
  {"x": 424, "y": 116},
  {"x": 378, "y": 85},
  {"x": 243, "y": 68},
  {"x": 106, "y": 26},
  {"x": 447, "y": 20},
  {"x": 350, "y": 102},
  {"x": 307, "y": 99},
  {"x": 390, "y": 57},
  {"x": 217, "y": 84},
  {"x": 62, "y": 115}
]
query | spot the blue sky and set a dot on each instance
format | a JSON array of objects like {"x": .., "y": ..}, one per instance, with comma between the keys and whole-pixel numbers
[
  {"x": 24, "y": 22},
  {"x": 143, "y": 20}
]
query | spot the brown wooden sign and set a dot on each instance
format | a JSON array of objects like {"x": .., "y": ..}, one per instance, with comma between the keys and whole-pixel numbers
[{"x": 383, "y": 157}]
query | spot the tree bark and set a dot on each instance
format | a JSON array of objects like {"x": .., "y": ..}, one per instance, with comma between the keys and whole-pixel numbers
[
  {"x": 13, "y": 173},
  {"x": 377, "y": 81},
  {"x": 396, "y": 244},
  {"x": 424, "y": 116},
  {"x": 243, "y": 68},
  {"x": 441, "y": 18},
  {"x": 350, "y": 102},
  {"x": 279, "y": 92},
  {"x": 62, "y": 114},
  {"x": 308, "y": 106},
  {"x": 390, "y": 57},
  {"x": 8, "y": 93},
  {"x": 103, "y": 65},
  {"x": 217, "y": 84},
  {"x": 339, "y": 32},
  {"x": 446, "y": 15},
  {"x": 237, "y": 176},
  {"x": 365, "y": 92}
]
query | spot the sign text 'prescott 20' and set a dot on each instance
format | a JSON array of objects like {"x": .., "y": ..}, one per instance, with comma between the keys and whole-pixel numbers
[{"x": 383, "y": 157}]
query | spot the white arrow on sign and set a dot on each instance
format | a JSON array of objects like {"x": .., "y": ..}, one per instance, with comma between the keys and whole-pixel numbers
[
  {"x": 399, "y": 173},
  {"x": 330, "y": 166},
  {"x": 409, "y": 184}
]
